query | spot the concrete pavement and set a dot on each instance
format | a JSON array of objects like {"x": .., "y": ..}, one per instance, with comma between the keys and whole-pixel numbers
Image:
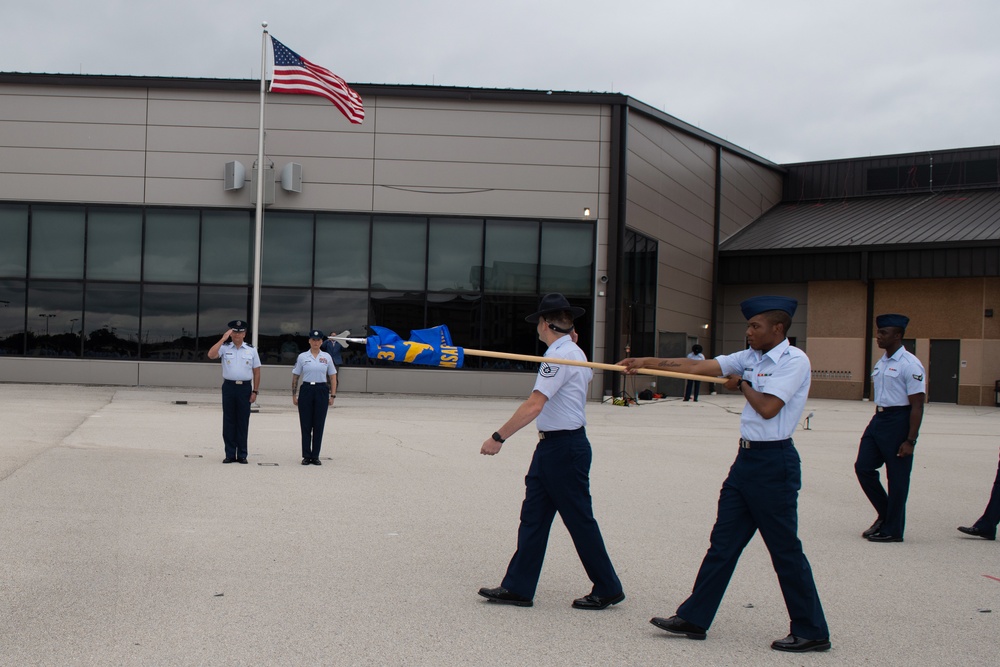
[{"x": 127, "y": 542}]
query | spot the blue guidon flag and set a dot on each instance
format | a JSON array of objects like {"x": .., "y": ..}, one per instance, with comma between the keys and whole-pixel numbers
[{"x": 426, "y": 347}]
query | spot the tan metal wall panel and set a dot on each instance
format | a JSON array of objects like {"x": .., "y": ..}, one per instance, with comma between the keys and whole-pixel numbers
[
  {"x": 71, "y": 136},
  {"x": 501, "y": 150},
  {"x": 79, "y": 188},
  {"x": 485, "y": 175},
  {"x": 748, "y": 190},
  {"x": 73, "y": 162},
  {"x": 520, "y": 121},
  {"x": 64, "y": 104}
]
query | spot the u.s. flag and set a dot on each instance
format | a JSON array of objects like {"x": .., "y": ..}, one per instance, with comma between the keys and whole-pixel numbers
[
  {"x": 427, "y": 347},
  {"x": 294, "y": 74}
]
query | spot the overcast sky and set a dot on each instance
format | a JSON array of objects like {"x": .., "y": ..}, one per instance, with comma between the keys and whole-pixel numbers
[{"x": 790, "y": 80}]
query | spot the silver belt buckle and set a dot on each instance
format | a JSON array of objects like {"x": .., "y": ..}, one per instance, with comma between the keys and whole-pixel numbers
[
  {"x": 238, "y": 381},
  {"x": 744, "y": 444},
  {"x": 541, "y": 435},
  {"x": 312, "y": 383},
  {"x": 879, "y": 408}
]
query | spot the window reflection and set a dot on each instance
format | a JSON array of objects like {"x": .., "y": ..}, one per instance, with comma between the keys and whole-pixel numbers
[
  {"x": 342, "y": 251},
  {"x": 11, "y": 317},
  {"x": 511, "y": 263},
  {"x": 226, "y": 247},
  {"x": 114, "y": 244},
  {"x": 169, "y": 322},
  {"x": 399, "y": 253},
  {"x": 217, "y": 307},
  {"x": 284, "y": 333},
  {"x": 567, "y": 259},
  {"x": 14, "y": 248},
  {"x": 288, "y": 238},
  {"x": 57, "y": 242},
  {"x": 462, "y": 314},
  {"x": 454, "y": 255},
  {"x": 55, "y": 316},
  {"x": 400, "y": 311},
  {"x": 171, "y": 254},
  {"x": 337, "y": 311},
  {"x": 111, "y": 322}
]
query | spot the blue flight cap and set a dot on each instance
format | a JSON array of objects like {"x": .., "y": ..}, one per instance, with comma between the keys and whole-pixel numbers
[
  {"x": 238, "y": 326},
  {"x": 316, "y": 333},
  {"x": 761, "y": 304},
  {"x": 892, "y": 320}
]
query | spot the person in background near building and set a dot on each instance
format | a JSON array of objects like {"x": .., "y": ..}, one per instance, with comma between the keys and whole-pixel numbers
[
  {"x": 335, "y": 350},
  {"x": 693, "y": 386},
  {"x": 319, "y": 389},
  {"x": 898, "y": 389},
  {"x": 761, "y": 491},
  {"x": 240, "y": 387},
  {"x": 558, "y": 478},
  {"x": 986, "y": 527}
]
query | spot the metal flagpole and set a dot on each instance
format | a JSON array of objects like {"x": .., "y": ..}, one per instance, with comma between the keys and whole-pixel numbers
[{"x": 259, "y": 220}]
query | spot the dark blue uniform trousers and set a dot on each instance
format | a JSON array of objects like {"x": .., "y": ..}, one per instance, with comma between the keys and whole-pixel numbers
[
  {"x": 761, "y": 493},
  {"x": 558, "y": 480},
  {"x": 235, "y": 418},
  {"x": 314, "y": 403},
  {"x": 991, "y": 517},
  {"x": 879, "y": 444}
]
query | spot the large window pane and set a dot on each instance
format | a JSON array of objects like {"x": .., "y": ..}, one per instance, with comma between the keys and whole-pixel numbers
[
  {"x": 504, "y": 330},
  {"x": 111, "y": 321},
  {"x": 57, "y": 242},
  {"x": 288, "y": 249},
  {"x": 169, "y": 322},
  {"x": 399, "y": 253},
  {"x": 567, "y": 259},
  {"x": 171, "y": 246},
  {"x": 217, "y": 307},
  {"x": 11, "y": 317},
  {"x": 114, "y": 244},
  {"x": 14, "y": 244},
  {"x": 226, "y": 247},
  {"x": 336, "y": 311},
  {"x": 400, "y": 311},
  {"x": 342, "y": 251},
  {"x": 284, "y": 324},
  {"x": 462, "y": 314},
  {"x": 511, "y": 263},
  {"x": 55, "y": 316},
  {"x": 454, "y": 255}
]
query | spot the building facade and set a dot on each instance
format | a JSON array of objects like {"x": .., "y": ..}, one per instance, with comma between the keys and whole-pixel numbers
[{"x": 129, "y": 241}]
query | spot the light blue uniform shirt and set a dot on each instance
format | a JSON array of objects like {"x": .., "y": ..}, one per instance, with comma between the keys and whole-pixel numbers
[
  {"x": 565, "y": 387},
  {"x": 238, "y": 362},
  {"x": 314, "y": 369},
  {"x": 896, "y": 378},
  {"x": 784, "y": 372}
]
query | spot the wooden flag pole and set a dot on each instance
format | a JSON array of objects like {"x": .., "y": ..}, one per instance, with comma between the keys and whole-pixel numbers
[
  {"x": 591, "y": 364},
  {"x": 345, "y": 340}
]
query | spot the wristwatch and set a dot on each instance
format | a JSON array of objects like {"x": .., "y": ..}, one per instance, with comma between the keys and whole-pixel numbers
[
  {"x": 739, "y": 385},
  {"x": 496, "y": 436}
]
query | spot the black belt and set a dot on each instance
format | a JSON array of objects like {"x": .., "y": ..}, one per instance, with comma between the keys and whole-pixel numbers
[
  {"x": 544, "y": 435},
  {"x": 237, "y": 381},
  {"x": 891, "y": 408},
  {"x": 765, "y": 444},
  {"x": 314, "y": 383}
]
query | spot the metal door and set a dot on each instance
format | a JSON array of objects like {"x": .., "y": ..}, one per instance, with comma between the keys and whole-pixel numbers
[{"x": 942, "y": 373}]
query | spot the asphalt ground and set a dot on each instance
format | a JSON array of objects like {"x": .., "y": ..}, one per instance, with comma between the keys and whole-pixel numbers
[{"x": 125, "y": 541}]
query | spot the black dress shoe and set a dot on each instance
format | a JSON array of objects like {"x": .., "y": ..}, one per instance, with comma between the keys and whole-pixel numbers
[
  {"x": 597, "y": 602},
  {"x": 976, "y": 532},
  {"x": 241, "y": 460},
  {"x": 874, "y": 528},
  {"x": 306, "y": 462},
  {"x": 794, "y": 644},
  {"x": 882, "y": 537},
  {"x": 679, "y": 626},
  {"x": 317, "y": 462},
  {"x": 228, "y": 460},
  {"x": 501, "y": 595}
]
